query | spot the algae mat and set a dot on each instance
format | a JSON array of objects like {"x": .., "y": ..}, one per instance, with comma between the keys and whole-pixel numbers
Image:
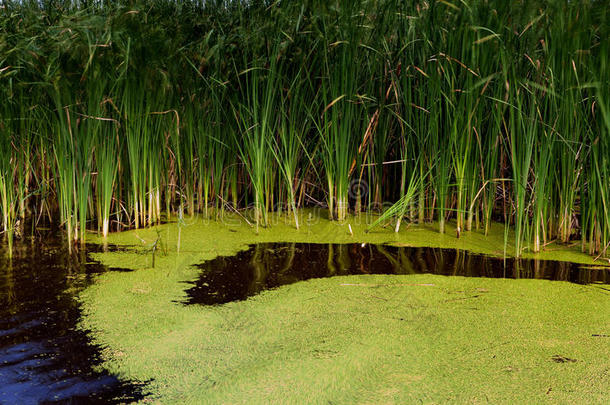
[{"x": 354, "y": 339}]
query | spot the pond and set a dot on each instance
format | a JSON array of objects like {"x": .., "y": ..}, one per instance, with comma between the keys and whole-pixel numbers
[
  {"x": 269, "y": 265},
  {"x": 44, "y": 357}
]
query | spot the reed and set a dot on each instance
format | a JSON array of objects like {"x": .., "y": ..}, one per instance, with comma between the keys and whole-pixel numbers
[
  {"x": 7, "y": 194},
  {"x": 121, "y": 114},
  {"x": 287, "y": 146},
  {"x": 257, "y": 122}
]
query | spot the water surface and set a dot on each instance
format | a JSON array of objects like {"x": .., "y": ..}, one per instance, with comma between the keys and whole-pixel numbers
[
  {"x": 270, "y": 265},
  {"x": 44, "y": 358}
]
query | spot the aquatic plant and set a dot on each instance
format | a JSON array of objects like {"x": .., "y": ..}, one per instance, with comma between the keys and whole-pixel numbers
[{"x": 122, "y": 114}]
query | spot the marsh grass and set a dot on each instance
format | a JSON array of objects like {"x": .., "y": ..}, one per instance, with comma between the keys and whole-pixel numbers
[{"x": 117, "y": 115}]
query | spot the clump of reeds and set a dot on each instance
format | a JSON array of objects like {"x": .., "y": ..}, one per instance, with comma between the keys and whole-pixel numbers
[{"x": 119, "y": 114}]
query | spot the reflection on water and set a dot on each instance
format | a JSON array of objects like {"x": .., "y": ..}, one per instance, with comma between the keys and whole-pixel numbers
[
  {"x": 270, "y": 265},
  {"x": 43, "y": 357}
]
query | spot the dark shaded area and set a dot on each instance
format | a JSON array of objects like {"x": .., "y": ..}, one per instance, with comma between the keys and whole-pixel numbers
[
  {"x": 43, "y": 357},
  {"x": 557, "y": 358},
  {"x": 271, "y": 265}
]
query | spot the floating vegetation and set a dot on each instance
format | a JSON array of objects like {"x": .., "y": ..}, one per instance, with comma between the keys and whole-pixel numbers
[{"x": 117, "y": 115}]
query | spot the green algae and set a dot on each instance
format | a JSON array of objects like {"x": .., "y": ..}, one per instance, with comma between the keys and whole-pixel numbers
[
  {"x": 232, "y": 233},
  {"x": 393, "y": 339}
]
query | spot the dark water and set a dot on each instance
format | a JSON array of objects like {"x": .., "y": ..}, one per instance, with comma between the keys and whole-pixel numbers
[
  {"x": 265, "y": 266},
  {"x": 43, "y": 357}
]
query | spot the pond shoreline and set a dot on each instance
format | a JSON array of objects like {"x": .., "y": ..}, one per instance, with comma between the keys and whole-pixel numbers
[{"x": 174, "y": 235}]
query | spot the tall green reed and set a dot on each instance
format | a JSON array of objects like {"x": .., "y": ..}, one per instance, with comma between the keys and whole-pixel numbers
[{"x": 120, "y": 111}]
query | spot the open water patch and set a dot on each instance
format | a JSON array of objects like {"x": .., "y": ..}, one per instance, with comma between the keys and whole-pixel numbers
[
  {"x": 271, "y": 265},
  {"x": 44, "y": 356}
]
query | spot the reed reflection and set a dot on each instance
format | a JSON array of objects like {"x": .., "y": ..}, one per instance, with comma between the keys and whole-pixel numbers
[{"x": 271, "y": 265}]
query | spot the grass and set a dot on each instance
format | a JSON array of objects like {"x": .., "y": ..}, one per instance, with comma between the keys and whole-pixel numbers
[
  {"x": 258, "y": 121},
  {"x": 120, "y": 115},
  {"x": 7, "y": 199},
  {"x": 287, "y": 147},
  {"x": 393, "y": 339}
]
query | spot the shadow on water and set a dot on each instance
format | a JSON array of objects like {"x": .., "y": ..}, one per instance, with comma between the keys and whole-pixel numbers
[
  {"x": 271, "y": 265},
  {"x": 44, "y": 358}
]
